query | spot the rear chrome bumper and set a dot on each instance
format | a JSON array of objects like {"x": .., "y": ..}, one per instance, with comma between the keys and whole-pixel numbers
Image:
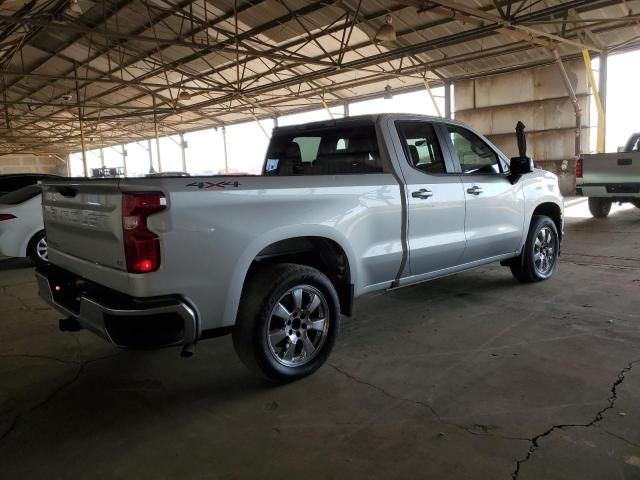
[
  {"x": 120, "y": 319},
  {"x": 616, "y": 192}
]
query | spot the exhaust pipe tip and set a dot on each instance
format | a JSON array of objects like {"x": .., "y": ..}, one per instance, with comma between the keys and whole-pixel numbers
[{"x": 69, "y": 325}]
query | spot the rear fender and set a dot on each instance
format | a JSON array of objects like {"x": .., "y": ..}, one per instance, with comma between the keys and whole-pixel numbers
[{"x": 239, "y": 275}]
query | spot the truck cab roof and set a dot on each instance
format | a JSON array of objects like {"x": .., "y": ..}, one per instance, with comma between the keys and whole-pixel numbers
[{"x": 360, "y": 119}]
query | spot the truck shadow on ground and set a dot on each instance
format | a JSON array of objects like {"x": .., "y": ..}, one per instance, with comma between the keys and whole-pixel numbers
[
  {"x": 15, "y": 263},
  {"x": 93, "y": 389},
  {"x": 96, "y": 389}
]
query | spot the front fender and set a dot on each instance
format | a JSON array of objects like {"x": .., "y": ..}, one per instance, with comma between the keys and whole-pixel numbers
[{"x": 538, "y": 190}]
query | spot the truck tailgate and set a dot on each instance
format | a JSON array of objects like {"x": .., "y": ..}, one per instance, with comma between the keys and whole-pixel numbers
[
  {"x": 84, "y": 220},
  {"x": 611, "y": 169}
]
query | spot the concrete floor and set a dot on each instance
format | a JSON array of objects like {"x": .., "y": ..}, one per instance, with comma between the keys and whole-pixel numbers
[{"x": 471, "y": 376}]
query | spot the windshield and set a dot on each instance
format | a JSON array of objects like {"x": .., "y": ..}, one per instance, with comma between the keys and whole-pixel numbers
[{"x": 20, "y": 196}]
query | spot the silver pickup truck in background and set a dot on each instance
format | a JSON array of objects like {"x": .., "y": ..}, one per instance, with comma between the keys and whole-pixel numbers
[
  {"x": 342, "y": 208},
  {"x": 607, "y": 178}
]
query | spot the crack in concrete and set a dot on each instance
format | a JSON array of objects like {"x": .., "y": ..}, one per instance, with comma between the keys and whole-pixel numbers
[
  {"x": 613, "y": 257},
  {"x": 606, "y": 265},
  {"x": 39, "y": 357},
  {"x": 55, "y": 392},
  {"x": 21, "y": 302},
  {"x": 598, "y": 417},
  {"x": 476, "y": 429}
]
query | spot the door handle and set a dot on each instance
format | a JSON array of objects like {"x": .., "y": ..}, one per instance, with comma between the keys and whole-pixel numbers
[
  {"x": 423, "y": 194},
  {"x": 475, "y": 190}
]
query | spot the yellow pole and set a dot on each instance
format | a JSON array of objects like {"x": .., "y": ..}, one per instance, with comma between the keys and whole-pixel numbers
[
  {"x": 157, "y": 132},
  {"x": 326, "y": 107},
  {"x": 81, "y": 124},
  {"x": 84, "y": 149},
  {"x": 596, "y": 94},
  {"x": 260, "y": 125},
  {"x": 433, "y": 99}
]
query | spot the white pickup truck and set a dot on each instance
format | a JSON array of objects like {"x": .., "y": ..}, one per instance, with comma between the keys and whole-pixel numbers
[
  {"x": 608, "y": 178},
  {"x": 343, "y": 208}
]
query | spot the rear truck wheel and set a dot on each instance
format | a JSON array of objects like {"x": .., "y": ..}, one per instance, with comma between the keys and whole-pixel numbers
[
  {"x": 538, "y": 258},
  {"x": 599, "y": 207},
  {"x": 288, "y": 321},
  {"x": 636, "y": 202},
  {"x": 37, "y": 249}
]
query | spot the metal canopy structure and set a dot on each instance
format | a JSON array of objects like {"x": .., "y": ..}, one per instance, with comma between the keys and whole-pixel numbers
[{"x": 116, "y": 69}]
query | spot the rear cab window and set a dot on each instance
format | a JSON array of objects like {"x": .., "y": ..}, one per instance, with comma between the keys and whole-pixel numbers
[{"x": 324, "y": 150}]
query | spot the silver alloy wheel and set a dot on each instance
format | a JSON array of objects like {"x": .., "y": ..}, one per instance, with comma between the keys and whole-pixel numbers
[
  {"x": 545, "y": 251},
  {"x": 298, "y": 326},
  {"x": 41, "y": 250}
]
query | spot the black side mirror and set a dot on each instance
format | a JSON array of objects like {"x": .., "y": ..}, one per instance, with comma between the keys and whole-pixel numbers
[
  {"x": 518, "y": 167},
  {"x": 521, "y": 165}
]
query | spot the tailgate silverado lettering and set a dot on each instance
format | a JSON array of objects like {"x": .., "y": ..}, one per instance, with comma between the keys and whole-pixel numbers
[{"x": 84, "y": 218}]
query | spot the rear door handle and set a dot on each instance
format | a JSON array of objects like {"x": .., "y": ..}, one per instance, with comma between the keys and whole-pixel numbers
[
  {"x": 423, "y": 194},
  {"x": 475, "y": 190}
]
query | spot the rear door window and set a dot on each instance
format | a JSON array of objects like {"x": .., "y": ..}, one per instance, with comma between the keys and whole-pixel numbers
[
  {"x": 324, "y": 151},
  {"x": 421, "y": 146},
  {"x": 14, "y": 183},
  {"x": 20, "y": 196}
]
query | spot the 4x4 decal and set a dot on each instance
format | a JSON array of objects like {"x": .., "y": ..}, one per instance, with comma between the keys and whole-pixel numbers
[{"x": 223, "y": 184}]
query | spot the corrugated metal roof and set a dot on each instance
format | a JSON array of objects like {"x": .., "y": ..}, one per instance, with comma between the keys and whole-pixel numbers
[{"x": 256, "y": 58}]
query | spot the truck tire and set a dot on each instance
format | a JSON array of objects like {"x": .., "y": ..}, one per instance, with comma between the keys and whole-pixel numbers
[
  {"x": 636, "y": 202},
  {"x": 288, "y": 321},
  {"x": 599, "y": 207},
  {"x": 537, "y": 261},
  {"x": 37, "y": 249}
]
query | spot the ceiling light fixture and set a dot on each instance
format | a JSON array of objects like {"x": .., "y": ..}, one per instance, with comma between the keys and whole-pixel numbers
[
  {"x": 184, "y": 95},
  {"x": 386, "y": 33},
  {"x": 74, "y": 9},
  {"x": 387, "y": 92}
]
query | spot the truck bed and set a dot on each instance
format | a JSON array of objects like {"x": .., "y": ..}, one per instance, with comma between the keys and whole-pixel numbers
[{"x": 610, "y": 175}]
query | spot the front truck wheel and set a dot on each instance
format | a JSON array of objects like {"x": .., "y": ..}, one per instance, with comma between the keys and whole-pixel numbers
[
  {"x": 599, "y": 207},
  {"x": 288, "y": 321},
  {"x": 538, "y": 258}
]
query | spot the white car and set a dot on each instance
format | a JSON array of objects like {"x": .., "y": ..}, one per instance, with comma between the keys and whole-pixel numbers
[{"x": 21, "y": 226}]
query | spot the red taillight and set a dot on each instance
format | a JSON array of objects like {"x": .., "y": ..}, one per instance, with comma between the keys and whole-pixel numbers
[
  {"x": 6, "y": 216},
  {"x": 141, "y": 245},
  {"x": 579, "y": 168}
]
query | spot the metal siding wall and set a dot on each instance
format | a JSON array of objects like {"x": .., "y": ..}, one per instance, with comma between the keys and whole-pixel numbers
[
  {"x": 538, "y": 98},
  {"x": 26, "y": 163}
]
